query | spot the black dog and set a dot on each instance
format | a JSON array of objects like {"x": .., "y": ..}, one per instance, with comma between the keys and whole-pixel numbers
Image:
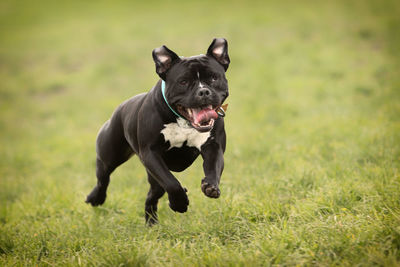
[{"x": 169, "y": 127}]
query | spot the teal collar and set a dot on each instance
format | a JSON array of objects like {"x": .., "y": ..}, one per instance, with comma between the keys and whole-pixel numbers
[{"x": 165, "y": 99}]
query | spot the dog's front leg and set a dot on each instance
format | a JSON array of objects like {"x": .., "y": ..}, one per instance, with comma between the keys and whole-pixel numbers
[
  {"x": 213, "y": 165},
  {"x": 155, "y": 165}
]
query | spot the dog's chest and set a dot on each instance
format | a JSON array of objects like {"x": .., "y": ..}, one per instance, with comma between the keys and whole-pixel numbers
[{"x": 180, "y": 132}]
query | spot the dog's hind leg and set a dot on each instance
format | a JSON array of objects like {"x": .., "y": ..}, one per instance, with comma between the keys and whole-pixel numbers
[
  {"x": 154, "y": 194},
  {"x": 112, "y": 151},
  {"x": 98, "y": 194}
]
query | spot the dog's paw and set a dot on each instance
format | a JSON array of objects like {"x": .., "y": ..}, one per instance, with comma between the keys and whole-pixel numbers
[
  {"x": 96, "y": 197},
  {"x": 151, "y": 219},
  {"x": 210, "y": 190},
  {"x": 178, "y": 201}
]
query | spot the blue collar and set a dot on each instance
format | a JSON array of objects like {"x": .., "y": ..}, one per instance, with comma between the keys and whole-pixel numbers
[{"x": 165, "y": 99}]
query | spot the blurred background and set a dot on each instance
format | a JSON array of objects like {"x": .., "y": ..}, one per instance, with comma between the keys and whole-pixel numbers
[{"x": 313, "y": 121}]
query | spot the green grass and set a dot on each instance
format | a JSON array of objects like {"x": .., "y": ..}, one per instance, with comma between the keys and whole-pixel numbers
[{"x": 313, "y": 157}]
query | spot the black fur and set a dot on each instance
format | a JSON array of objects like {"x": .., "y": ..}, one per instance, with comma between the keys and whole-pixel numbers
[{"x": 135, "y": 126}]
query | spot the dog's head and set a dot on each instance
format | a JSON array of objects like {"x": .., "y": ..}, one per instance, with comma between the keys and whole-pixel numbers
[{"x": 195, "y": 86}]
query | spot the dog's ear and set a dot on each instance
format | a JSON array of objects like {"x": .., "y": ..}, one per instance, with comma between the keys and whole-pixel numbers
[
  {"x": 164, "y": 59},
  {"x": 219, "y": 50}
]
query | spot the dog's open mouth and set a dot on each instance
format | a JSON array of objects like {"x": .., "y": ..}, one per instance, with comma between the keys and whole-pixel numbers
[{"x": 202, "y": 119}]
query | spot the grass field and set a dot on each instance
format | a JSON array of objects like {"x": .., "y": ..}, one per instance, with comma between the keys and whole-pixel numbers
[{"x": 313, "y": 157}]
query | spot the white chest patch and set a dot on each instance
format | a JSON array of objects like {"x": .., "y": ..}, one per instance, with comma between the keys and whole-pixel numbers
[{"x": 179, "y": 132}]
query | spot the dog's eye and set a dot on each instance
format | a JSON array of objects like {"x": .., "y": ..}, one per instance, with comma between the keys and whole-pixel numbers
[
  {"x": 214, "y": 78},
  {"x": 183, "y": 82}
]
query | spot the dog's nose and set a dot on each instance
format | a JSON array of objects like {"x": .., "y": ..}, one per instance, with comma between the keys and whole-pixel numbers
[{"x": 204, "y": 92}]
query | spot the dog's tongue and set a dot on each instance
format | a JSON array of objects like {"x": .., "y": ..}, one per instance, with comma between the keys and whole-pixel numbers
[{"x": 204, "y": 115}]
